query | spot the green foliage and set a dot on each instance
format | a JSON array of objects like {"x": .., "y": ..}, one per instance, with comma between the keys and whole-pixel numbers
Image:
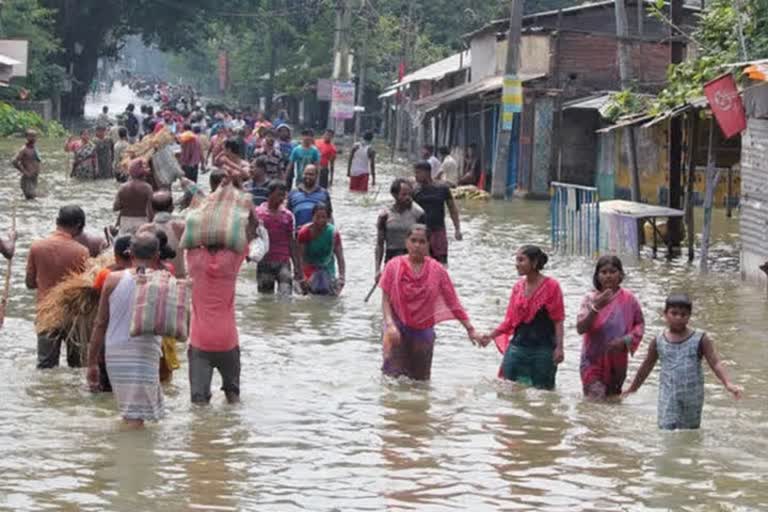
[
  {"x": 15, "y": 122},
  {"x": 625, "y": 103},
  {"x": 717, "y": 42}
]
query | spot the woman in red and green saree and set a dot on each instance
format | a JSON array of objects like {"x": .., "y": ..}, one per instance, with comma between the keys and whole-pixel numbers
[
  {"x": 530, "y": 338},
  {"x": 320, "y": 250}
]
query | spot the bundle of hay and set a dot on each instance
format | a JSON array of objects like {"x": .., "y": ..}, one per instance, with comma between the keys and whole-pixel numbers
[
  {"x": 470, "y": 192},
  {"x": 146, "y": 148},
  {"x": 70, "y": 307}
]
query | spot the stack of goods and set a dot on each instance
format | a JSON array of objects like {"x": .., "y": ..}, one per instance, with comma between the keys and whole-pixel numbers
[
  {"x": 157, "y": 149},
  {"x": 470, "y": 192},
  {"x": 70, "y": 307},
  {"x": 221, "y": 221}
]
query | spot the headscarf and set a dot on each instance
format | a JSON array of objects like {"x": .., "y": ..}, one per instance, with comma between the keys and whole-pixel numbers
[{"x": 423, "y": 300}]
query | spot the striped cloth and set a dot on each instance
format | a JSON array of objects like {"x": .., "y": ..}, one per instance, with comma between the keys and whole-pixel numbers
[{"x": 133, "y": 363}]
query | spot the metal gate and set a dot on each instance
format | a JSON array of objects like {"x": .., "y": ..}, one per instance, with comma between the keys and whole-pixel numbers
[{"x": 575, "y": 215}]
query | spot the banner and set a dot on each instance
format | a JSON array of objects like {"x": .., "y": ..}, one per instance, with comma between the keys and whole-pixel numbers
[
  {"x": 324, "y": 89},
  {"x": 511, "y": 100},
  {"x": 343, "y": 100},
  {"x": 726, "y": 105},
  {"x": 223, "y": 71}
]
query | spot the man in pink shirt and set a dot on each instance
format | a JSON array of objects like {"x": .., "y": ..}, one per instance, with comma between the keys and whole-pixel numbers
[
  {"x": 275, "y": 268},
  {"x": 213, "y": 336}
]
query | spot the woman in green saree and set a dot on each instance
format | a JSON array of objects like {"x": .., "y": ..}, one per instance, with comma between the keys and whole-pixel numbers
[{"x": 320, "y": 251}]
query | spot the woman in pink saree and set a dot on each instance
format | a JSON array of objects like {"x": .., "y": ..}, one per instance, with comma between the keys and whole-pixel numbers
[
  {"x": 611, "y": 321},
  {"x": 417, "y": 295}
]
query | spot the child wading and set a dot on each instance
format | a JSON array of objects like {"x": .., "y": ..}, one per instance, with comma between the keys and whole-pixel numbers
[{"x": 681, "y": 384}]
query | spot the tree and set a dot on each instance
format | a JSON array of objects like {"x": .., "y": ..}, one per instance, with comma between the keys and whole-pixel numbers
[
  {"x": 90, "y": 29},
  {"x": 27, "y": 19}
]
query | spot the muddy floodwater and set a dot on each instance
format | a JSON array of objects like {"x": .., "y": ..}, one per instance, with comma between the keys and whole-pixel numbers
[{"x": 320, "y": 430}]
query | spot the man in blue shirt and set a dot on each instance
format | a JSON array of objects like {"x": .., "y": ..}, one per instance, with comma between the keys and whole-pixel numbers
[
  {"x": 302, "y": 156},
  {"x": 303, "y": 199}
]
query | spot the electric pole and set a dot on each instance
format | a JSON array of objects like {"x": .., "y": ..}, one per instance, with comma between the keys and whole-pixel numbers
[
  {"x": 499, "y": 178},
  {"x": 625, "y": 74},
  {"x": 363, "y": 64},
  {"x": 677, "y": 51}
]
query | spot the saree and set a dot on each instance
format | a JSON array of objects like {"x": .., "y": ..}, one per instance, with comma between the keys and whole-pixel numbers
[
  {"x": 527, "y": 335},
  {"x": 621, "y": 317},
  {"x": 419, "y": 302},
  {"x": 84, "y": 166},
  {"x": 319, "y": 258}
]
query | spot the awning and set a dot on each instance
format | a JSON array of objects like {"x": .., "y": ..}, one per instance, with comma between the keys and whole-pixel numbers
[
  {"x": 7, "y": 61},
  {"x": 388, "y": 93},
  {"x": 632, "y": 121},
  {"x": 438, "y": 70},
  {"x": 481, "y": 87},
  {"x": 596, "y": 102},
  {"x": 695, "y": 104}
]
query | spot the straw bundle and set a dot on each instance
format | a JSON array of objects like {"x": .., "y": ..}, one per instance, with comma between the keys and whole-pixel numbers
[
  {"x": 70, "y": 307},
  {"x": 146, "y": 148}
]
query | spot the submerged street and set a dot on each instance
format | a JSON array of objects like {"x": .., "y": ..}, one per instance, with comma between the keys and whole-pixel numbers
[{"x": 319, "y": 428}]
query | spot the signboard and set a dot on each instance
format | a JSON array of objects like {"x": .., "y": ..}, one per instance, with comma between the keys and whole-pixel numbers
[
  {"x": 324, "y": 89},
  {"x": 511, "y": 100},
  {"x": 17, "y": 50},
  {"x": 343, "y": 100},
  {"x": 725, "y": 102},
  {"x": 223, "y": 70}
]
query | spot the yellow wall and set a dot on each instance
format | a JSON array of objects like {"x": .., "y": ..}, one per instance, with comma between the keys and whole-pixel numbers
[{"x": 653, "y": 159}]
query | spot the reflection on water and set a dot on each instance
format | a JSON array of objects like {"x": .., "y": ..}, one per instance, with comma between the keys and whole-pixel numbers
[{"x": 320, "y": 430}]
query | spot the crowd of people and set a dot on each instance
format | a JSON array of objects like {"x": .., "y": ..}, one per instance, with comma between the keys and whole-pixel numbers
[{"x": 291, "y": 206}]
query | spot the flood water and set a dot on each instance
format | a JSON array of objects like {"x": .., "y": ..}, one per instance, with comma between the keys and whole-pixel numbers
[{"x": 320, "y": 430}]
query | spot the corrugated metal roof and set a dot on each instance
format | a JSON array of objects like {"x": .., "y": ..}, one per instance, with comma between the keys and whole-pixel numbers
[
  {"x": 7, "y": 61},
  {"x": 437, "y": 70},
  {"x": 485, "y": 86},
  {"x": 503, "y": 24},
  {"x": 595, "y": 102},
  {"x": 753, "y": 221},
  {"x": 631, "y": 121}
]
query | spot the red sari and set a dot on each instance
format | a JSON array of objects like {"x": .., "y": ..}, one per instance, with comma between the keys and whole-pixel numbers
[
  {"x": 418, "y": 301},
  {"x": 621, "y": 317}
]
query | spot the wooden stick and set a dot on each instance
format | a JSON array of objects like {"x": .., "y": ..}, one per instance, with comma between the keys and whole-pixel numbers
[
  {"x": 370, "y": 293},
  {"x": 7, "y": 289}
]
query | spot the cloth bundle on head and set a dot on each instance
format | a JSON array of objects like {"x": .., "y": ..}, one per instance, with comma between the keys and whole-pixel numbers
[
  {"x": 220, "y": 221},
  {"x": 166, "y": 167}
]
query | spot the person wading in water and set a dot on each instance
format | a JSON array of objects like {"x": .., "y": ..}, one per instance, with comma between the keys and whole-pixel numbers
[
  {"x": 27, "y": 161},
  {"x": 49, "y": 262},
  {"x": 433, "y": 198},
  {"x": 417, "y": 295},
  {"x": 395, "y": 222},
  {"x": 132, "y": 202},
  {"x": 132, "y": 362}
]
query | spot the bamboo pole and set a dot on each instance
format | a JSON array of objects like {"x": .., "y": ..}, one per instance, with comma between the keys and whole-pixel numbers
[
  {"x": 7, "y": 289},
  {"x": 713, "y": 176}
]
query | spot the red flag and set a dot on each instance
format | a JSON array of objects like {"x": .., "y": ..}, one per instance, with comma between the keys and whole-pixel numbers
[
  {"x": 726, "y": 105},
  {"x": 223, "y": 71}
]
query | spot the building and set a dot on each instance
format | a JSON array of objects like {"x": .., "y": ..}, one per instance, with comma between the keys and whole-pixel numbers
[
  {"x": 753, "y": 220},
  {"x": 565, "y": 55}
]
